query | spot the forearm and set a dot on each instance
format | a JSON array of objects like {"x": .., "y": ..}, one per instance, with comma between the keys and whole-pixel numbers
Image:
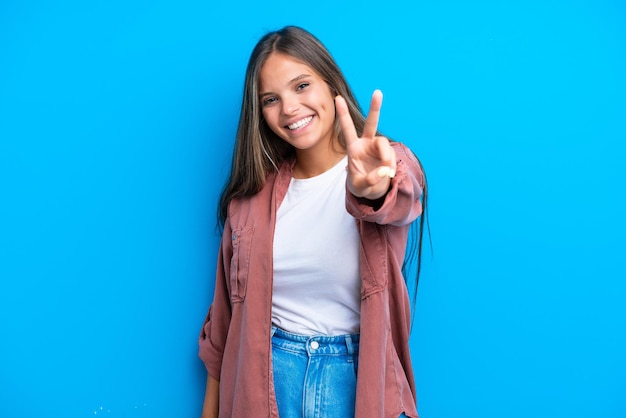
[{"x": 210, "y": 408}]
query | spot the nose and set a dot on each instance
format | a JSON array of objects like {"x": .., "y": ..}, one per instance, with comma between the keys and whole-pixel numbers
[{"x": 290, "y": 105}]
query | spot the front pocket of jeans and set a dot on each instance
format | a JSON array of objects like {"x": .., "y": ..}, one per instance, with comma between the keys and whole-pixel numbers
[{"x": 240, "y": 262}]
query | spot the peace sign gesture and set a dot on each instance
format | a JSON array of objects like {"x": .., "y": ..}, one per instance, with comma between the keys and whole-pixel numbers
[{"x": 371, "y": 160}]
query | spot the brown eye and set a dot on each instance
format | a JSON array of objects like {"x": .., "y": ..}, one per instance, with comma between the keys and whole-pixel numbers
[{"x": 268, "y": 101}]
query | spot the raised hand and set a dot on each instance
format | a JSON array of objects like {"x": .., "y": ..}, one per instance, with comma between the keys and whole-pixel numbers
[{"x": 371, "y": 160}]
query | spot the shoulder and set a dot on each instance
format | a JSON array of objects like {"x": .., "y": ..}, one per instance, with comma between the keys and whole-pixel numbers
[
  {"x": 408, "y": 161},
  {"x": 402, "y": 150},
  {"x": 275, "y": 184}
]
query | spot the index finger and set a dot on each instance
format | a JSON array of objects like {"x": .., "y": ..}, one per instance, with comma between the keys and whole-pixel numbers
[
  {"x": 345, "y": 120},
  {"x": 371, "y": 123}
]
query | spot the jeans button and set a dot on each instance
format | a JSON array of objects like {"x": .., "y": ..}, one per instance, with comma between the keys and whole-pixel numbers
[{"x": 315, "y": 345}]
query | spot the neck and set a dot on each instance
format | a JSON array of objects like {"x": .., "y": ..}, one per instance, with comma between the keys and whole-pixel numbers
[{"x": 311, "y": 164}]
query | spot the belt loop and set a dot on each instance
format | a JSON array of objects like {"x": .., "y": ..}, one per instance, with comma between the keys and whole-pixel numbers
[
  {"x": 349, "y": 345},
  {"x": 273, "y": 331}
]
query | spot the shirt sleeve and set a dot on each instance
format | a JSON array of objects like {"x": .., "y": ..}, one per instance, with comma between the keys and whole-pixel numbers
[
  {"x": 401, "y": 205},
  {"x": 214, "y": 331}
]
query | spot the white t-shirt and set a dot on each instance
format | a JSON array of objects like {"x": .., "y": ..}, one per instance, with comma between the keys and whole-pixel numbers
[{"x": 316, "y": 258}]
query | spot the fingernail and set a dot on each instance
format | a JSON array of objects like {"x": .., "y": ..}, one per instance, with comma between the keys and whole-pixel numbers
[
  {"x": 392, "y": 173},
  {"x": 384, "y": 172}
]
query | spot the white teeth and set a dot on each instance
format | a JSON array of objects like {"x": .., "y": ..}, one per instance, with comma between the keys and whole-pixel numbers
[{"x": 300, "y": 123}]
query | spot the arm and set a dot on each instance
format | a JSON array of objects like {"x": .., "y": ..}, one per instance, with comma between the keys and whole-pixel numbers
[
  {"x": 215, "y": 328},
  {"x": 385, "y": 180},
  {"x": 210, "y": 409}
]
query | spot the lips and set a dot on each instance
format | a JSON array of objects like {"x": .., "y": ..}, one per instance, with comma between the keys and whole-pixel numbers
[{"x": 301, "y": 123}]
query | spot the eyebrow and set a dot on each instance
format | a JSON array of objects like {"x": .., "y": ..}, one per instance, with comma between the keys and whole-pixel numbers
[{"x": 293, "y": 80}]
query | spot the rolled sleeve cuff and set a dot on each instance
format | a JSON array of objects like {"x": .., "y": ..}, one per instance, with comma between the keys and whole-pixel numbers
[{"x": 208, "y": 352}]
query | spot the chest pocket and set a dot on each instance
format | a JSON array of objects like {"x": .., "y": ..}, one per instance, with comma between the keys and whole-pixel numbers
[{"x": 240, "y": 262}]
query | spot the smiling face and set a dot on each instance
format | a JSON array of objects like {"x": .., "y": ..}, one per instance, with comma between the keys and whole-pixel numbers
[{"x": 297, "y": 104}]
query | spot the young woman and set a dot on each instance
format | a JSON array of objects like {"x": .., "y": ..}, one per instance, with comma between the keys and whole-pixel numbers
[{"x": 311, "y": 315}]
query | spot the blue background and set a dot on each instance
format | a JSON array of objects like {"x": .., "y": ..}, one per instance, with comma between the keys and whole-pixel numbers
[{"x": 116, "y": 127}]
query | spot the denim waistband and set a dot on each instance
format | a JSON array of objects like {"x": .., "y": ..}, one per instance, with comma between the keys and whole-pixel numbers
[{"x": 347, "y": 344}]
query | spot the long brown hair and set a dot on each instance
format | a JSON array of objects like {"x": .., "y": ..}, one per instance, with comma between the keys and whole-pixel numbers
[{"x": 258, "y": 150}]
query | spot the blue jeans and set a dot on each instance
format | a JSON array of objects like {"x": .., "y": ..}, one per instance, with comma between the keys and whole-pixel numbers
[{"x": 314, "y": 376}]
